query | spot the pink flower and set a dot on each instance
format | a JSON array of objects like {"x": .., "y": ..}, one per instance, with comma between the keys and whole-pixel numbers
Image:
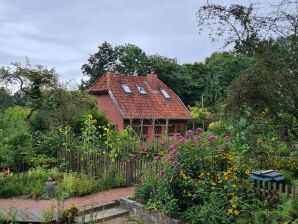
[
  {"x": 159, "y": 174},
  {"x": 153, "y": 190},
  {"x": 172, "y": 147},
  {"x": 210, "y": 138}
]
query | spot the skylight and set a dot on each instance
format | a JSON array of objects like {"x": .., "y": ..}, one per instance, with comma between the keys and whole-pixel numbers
[
  {"x": 141, "y": 90},
  {"x": 126, "y": 88},
  {"x": 165, "y": 94}
]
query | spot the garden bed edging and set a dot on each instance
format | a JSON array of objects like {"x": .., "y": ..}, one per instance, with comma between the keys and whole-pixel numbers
[{"x": 139, "y": 211}]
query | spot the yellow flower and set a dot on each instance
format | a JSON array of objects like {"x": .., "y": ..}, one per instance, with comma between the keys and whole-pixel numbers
[
  {"x": 234, "y": 186},
  {"x": 202, "y": 174},
  {"x": 208, "y": 174},
  {"x": 236, "y": 212},
  {"x": 234, "y": 206},
  {"x": 90, "y": 116},
  {"x": 182, "y": 175},
  {"x": 226, "y": 177},
  {"x": 230, "y": 211},
  {"x": 247, "y": 172}
]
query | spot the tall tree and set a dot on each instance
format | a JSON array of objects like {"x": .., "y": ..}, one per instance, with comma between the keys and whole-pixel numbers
[
  {"x": 131, "y": 60},
  {"x": 222, "y": 69},
  {"x": 271, "y": 82}
]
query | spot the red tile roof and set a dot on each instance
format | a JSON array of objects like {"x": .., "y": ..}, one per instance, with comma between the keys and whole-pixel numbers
[{"x": 136, "y": 105}]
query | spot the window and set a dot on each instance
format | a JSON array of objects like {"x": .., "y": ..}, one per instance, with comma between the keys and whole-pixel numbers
[
  {"x": 158, "y": 130},
  {"x": 165, "y": 94},
  {"x": 126, "y": 88},
  {"x": 171, "y": 129},
  {"x": 141, "y": 90},
  {"x": 145, "y": 130}
]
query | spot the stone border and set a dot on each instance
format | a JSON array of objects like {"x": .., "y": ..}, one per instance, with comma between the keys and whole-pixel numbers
[{"x": 138, "y": 210}]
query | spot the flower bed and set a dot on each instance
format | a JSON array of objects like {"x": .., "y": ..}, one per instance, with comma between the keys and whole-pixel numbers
[{"x": 200, "y": 180}]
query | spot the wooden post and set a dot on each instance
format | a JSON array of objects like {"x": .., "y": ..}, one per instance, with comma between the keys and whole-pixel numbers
[
  {"x": 259, "y": 188},
  {"x": 264, "y": 189},
  {"x": 287, "y": 190},
  {"x": 280, "y": 188},
  {"x": 141, "y": 134}
]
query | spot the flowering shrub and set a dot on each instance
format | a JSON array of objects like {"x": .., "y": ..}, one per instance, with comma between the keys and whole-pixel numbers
[{"x": 198, "y": 179}]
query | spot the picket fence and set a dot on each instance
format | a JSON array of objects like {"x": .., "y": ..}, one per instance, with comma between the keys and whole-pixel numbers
[
  {"x": 264, "y": 190},
  {"x": 94, "y": 165}
]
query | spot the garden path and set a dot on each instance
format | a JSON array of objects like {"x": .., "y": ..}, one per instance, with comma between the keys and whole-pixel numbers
[{"x": 88, "y": 201}]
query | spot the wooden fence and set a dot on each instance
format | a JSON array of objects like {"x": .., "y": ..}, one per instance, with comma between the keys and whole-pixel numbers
[
  {"x": 94, "y": 165},
  {"x": 267, "y": 189}
]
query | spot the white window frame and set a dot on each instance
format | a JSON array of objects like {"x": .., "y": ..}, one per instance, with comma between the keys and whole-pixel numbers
[
  {"x": 165, "y": 93},
  {"x": 126, "y": 88},
  {"x": 141, "y": 90}
]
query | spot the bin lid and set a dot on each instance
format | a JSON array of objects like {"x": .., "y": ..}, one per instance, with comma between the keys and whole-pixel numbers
[
  {"x": 255, "y": 177},
  {"x": 267, "y": 173}
]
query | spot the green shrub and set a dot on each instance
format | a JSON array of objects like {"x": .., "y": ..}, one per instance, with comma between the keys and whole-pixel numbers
[{"x": 15, "y": 138}]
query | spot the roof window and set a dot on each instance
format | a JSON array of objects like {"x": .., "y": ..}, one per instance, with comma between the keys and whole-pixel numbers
[
  {"x": 141, "y": 90},
  {"x": 126, "y": 88},
  {"x": 165, "y": 93}
]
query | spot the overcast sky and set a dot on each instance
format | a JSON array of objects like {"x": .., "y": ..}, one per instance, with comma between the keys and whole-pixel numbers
[{"x": 62, "y": 33}]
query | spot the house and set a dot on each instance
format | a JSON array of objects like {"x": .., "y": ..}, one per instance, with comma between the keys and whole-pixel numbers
[{"x": 145, "y": 103}]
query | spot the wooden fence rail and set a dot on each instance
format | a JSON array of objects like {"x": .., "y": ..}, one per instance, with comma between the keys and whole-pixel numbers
[
  {"x": 266, "y": 189},
  {"x": 94, "y": 165}
]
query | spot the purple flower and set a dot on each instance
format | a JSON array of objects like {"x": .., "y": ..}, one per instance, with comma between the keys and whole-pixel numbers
[
  {"x": 199, "y": 130},
  {"x": 189, "y": 134},
  {"x": 210, "y": 138}
]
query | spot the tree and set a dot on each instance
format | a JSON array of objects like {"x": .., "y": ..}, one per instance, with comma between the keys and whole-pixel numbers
[
  {"x": 131, "y": 60},
  {"x": 272, "y": 81},
  {"x": 127, "y": 59},
  {"x": 163, "y": 66},
  {"x": 222, "y": 69},
  {"x": 188, "y": 82},
  {"x": 31, "y": 80},
  {"x": 99, "y": 63},
  {"x": 245, "y": 27}
]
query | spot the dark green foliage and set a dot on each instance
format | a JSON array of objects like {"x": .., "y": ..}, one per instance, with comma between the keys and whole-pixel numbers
[
  {"x": 99, "y": 63},
  {"x": 15, "y": 137},
  {"x": 6, "y": 100},
  {"x": 77, "y": 121}
]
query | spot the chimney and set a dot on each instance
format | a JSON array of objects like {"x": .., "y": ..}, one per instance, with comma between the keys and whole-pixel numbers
[{"x": 152, "y": 81}]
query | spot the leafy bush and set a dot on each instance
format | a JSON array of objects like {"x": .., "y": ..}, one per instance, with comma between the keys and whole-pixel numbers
[
  {"x": 15, "y": 137},
  {"x": 32, "y": 183}
]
